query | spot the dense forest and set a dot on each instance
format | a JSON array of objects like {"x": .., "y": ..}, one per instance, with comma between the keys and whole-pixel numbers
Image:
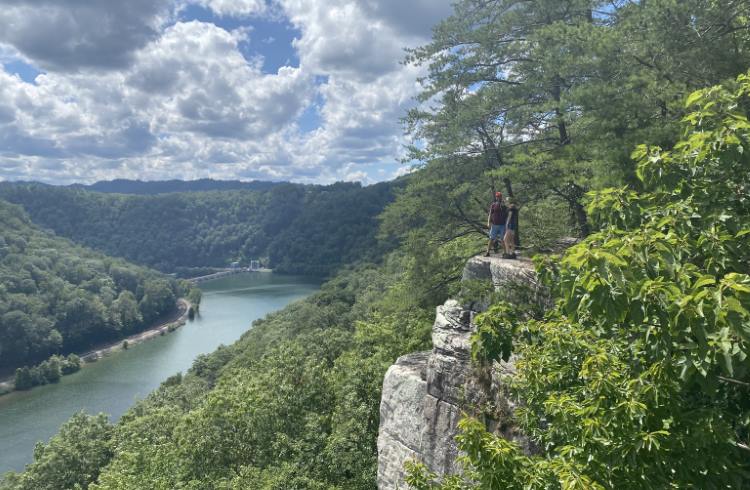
[
  {"x": 636, "y": 378},
  {"x": 124, "y": 186},
  {"x": 57, "y": 297},
  {"x": 296, "y": 228}
]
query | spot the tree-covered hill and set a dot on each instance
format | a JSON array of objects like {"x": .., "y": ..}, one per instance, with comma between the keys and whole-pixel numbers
[
  {"x": 298, "y": 228},
  {"x": 125, "y": 186},
  {"x": 57, "y": 297}
]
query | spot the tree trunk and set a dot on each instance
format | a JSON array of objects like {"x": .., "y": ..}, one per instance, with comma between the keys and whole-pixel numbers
[
  {"x": 573, "y": 194},
  {"x": 562, "y": 128}
]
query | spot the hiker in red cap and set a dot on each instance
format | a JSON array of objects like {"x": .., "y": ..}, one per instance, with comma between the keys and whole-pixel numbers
[{"x": 496, "y": 220}]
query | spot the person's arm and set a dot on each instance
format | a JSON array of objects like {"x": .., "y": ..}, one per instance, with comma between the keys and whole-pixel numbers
[
  {"x": 508, "y": 219},
  {"x": 489, "y": 217}
]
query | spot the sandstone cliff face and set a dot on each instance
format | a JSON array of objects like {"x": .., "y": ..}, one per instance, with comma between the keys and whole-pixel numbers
[{"x": 425, "y": 394}]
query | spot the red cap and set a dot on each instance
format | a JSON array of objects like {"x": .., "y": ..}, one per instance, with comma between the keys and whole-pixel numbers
[{"x": 498, "y": 194}]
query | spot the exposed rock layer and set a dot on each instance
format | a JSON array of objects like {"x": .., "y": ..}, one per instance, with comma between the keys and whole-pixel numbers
[{"x": 425, "y": 394}]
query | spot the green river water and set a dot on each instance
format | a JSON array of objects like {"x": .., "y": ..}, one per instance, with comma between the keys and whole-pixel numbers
[{"x": 114, "y": 383}]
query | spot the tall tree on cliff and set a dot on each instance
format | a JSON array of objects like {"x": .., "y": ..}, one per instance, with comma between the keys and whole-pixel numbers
[{"x": 554, "y": 94}]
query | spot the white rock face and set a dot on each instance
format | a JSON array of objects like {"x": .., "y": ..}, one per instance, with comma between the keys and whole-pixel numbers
[
  {"x": 500, "y": 271},
  {"x": 426, "y": 393},
  {"x": 400, "y": 413}
]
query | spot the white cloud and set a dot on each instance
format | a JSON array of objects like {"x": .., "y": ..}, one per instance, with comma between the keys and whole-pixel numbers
[
  {"x": 180, "y": 100},
  {"x": 235, "y": 8},
  {"x": 69, "y": 35},
  {"x": 358, "y": 47}
]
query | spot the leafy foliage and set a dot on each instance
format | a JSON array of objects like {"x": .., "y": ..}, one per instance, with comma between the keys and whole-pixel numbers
[
  {"x": 49, "y": 371},
  {"x": 641, "y": 371},
  {"x": 294, "y": 228},
  {"x": 552, "y": 96},
  {"x": 71, "y": 459},
  {"x": 56, "y": 297}
]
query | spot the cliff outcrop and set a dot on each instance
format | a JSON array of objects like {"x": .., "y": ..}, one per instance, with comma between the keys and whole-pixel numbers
[{"x": 426, "y": 393}]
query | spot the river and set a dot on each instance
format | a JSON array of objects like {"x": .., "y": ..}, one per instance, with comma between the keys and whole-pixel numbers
[{"x": 114, "y": 383}]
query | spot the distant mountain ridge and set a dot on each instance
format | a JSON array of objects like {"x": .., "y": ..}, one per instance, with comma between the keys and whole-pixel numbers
[
  {"x": 299, "y": 228},
  {"x": 127, "y": 186}
]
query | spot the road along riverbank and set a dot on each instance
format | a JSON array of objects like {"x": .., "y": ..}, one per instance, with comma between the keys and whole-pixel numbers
[{"x": 162, "y": 327}]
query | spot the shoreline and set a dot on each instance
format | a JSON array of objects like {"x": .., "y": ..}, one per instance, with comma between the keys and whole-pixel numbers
[{"x": 106, "y": 349}]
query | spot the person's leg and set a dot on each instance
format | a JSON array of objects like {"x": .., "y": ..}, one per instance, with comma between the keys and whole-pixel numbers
[
  {"x": 510, "y": 243},
  {"x": 491, "y": 242}
]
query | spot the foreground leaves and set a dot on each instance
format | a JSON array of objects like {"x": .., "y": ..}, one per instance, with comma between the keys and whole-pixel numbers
[{"x": 640, "y": 374}]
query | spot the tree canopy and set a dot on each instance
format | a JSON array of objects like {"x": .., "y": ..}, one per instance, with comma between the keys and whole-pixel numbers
[
  {"x": 640, "y": 373},
  {"x": 57, "y": 297},
  {"x": 296, "y": 228}
]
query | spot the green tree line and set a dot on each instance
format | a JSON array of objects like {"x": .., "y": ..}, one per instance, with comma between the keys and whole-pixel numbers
[
  {"x": 58, "y": 298},
  {"x": 306, "y": 229}
]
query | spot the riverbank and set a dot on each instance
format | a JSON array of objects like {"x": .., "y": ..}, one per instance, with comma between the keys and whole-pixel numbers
[{"x": 176, "y": 320}]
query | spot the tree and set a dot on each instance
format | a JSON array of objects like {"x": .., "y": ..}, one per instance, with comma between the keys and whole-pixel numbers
[
  {"x": 157, "y": 300},
  {"x": 71, "y": 459},
  {"x": 640, "y": 372},
  {"x": 51, "y": 369},
  {"x": 23, "y": 379},
  {"x": 126, "y": 313},
  {"x": 554, "y": 94}
]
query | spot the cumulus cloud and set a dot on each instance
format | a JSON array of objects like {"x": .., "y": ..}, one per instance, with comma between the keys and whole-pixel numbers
[
  {"x": 152, "y": 97},
  {"x": 358, "y": 46},
  {"x": 70, "y": 35},
  {"x": 412, "y": 19},
  {"x": 236, "y": 8}
]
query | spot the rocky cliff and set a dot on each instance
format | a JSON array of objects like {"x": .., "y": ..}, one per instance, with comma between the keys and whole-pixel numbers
[{"x": 425, "y": 393}]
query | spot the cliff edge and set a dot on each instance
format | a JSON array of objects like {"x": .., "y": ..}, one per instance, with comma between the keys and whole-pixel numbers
[{"x": 426, "y": 393}]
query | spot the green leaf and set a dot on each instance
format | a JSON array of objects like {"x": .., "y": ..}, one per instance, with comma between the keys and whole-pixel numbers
[
  {"x": 693, "y": 98},
  {"x": 704, "y": 281}
]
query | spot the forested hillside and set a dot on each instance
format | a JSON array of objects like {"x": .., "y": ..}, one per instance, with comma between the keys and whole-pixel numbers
[
  {"x": 297, "y": 228},
  {"x": 124, "y": 186},
  {"x": 553, "y": 96},
  {"x": 57, "y": 297},
  {"x": 638, "y": 376}
]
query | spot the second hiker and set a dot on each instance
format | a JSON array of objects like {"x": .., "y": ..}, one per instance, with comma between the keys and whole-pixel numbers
[
  {"x": 496, "y": 221},
  {"x": 511, "y": 225}
]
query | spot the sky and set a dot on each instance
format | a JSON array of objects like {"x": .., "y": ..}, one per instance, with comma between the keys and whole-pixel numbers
[{"x": 302, "y": 90}]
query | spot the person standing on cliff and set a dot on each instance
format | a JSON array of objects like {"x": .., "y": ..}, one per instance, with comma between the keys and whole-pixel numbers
[
  {"x": 511, "y": 225},
  {"x": 496, "y": 220}
]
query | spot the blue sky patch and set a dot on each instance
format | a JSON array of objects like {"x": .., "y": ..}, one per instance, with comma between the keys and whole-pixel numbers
[
  {"x": 269, "y": 38},
  {"x": 27, "y": 72}
]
